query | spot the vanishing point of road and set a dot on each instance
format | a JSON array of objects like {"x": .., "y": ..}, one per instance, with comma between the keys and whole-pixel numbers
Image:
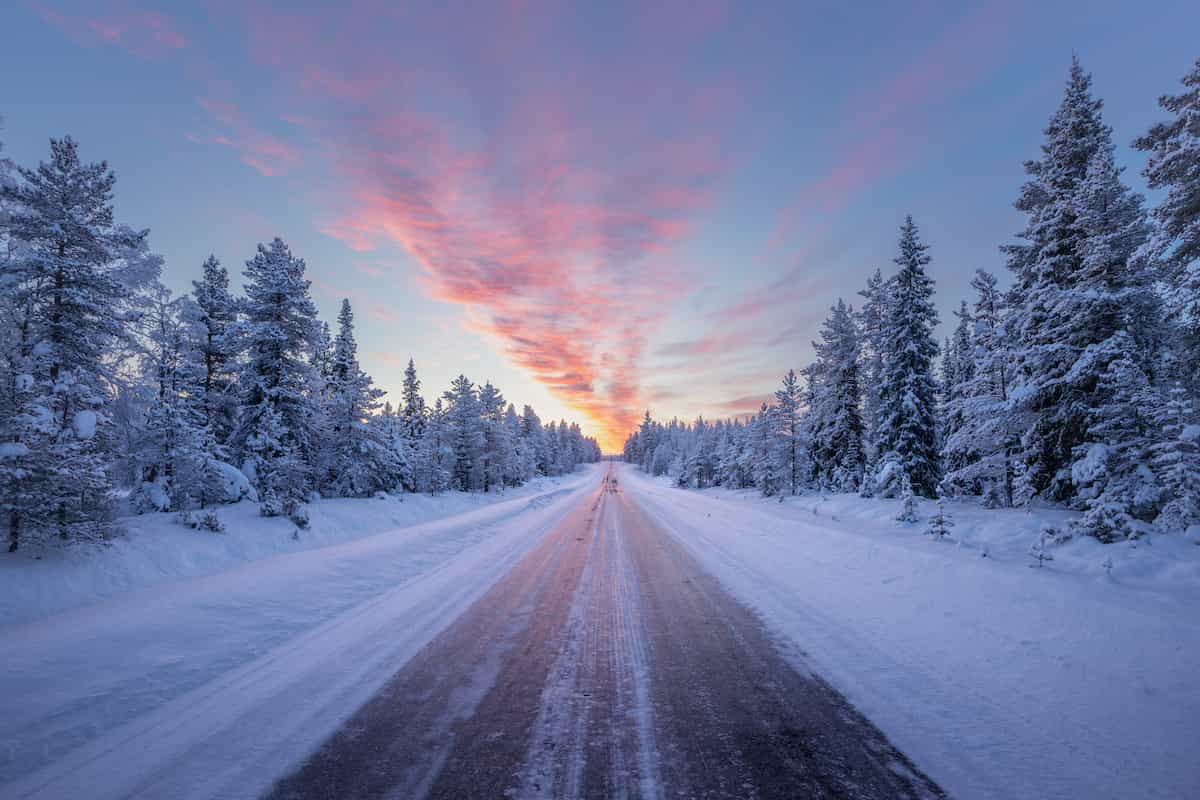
[{"x": 606, "y": 664}]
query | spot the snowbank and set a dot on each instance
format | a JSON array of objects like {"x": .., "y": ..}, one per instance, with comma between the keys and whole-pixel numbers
[
  {"x": 155, "y": 549},
  {"x": 1000, "y": 680}
]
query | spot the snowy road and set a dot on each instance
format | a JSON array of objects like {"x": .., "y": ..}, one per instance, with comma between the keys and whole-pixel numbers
[{"x": 606, "y": 664}]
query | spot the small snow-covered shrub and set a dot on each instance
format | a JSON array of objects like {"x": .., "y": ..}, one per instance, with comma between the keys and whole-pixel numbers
[
  {"x": 1106, "y": 520},
  {"x": 890, "y": 478},
  {"x": 150, "y": 496},
  {"x": 940, "y": 523},
  {"x": 1039, "y": 551},
  {"x": 209, "y": 521},
  {"x": 234, "y": 484},
  {"x": 299, "y": 516},
  {"x": 866, "y": 489},
  {"x": 908, "y": 503}
]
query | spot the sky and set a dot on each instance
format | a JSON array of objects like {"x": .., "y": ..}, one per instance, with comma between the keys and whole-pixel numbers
[{"x": 599, "y": 207}]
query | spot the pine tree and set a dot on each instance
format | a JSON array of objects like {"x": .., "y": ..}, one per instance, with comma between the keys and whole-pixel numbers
[
  {"x": 788, "y": 435},
  {"x": 520, "y": 467},
  {"x": 534, "y": 437},
  {"x": 497, "y": 447},
  {"x": 873, "y": 325},
  {"x": 908, "y": 501},
  {"x": 171, "y": 454},
  {"x": 835, "y": 422},
  {"x": 1077, "y": 281},
  {"x": 67, "y": 286},
  {"x": 362, "y": 461},
  {"x": 218, "y": 349},
  {"x": 907, "y": 430},
  {"x": 434, "y": 462},
  {"x": 413, "y": 412},
  {"x": 980, "y": 450},
  {"x": 275, "y": 433},
  {"x": 940, "y": 523},
  {"x": 1174, "y": 148},
  {"x": 1111, "y": 472},
  {"x": 958, "y": 375},
  {"x": 1176, "y": 460},
  {"x": 464, "y": 428}
]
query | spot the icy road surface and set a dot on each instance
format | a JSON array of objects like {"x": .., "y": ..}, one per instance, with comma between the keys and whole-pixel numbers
[{"x": 605, "y": 665}]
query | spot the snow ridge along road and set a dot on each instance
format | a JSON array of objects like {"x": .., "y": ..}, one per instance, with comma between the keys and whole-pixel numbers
[{"x": 605, "y": 665}]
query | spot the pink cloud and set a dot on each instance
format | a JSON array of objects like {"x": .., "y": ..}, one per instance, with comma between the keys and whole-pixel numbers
[{"x": 141, "y": 32}]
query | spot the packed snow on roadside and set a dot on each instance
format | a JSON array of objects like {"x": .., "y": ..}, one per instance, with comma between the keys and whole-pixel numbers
[
  {"x": 1001, "y": 678},
  {"x": 154, "y": 548},
  {"x": 215, "y": 661}
]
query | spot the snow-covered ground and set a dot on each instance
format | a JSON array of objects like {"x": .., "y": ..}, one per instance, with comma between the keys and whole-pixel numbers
[
  {"x": 1000, "y": 680},
  {"x": 155, "y": 549},
  {"x": 242, "y": 650}
]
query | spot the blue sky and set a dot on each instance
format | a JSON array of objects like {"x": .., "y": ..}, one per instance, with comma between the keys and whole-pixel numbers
[{"x": 599, "y": 207}]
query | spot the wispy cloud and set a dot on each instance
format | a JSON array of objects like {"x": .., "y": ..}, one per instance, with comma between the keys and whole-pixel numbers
[{"x": 143, "y": 32}]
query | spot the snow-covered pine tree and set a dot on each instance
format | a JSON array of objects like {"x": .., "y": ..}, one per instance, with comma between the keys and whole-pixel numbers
[
  {"x": 412, "y": 412},
  {"x": 534, "y": 437},
  {"x": 362, "y": 461},
  {"x": 275, "y": 438},
  {"x": 497, "y": 447},
  {"x": 958, "y": 375},
  {"x": 873, "y": 325},
  {"x": 908, "y": 501},
  {"x": 907, "y": 429},
  {"x": 1111, "y": 473},
  {"x": 834, "y": 420},
  {"x": 464, "y": 429},
  {"x": 940, "y": 523},
  {"x": 1174, "y": 149},
  {"x": 1077, "y": 279},
  {"x": 218, "y": 350},
  {"x": 1176, "y": 460},
  {"x": 433, "y": 462},
  {"x": 787, "y": 436},
  {"x": 171, "y": 452},
  {"x": 762, "y": 462},
  {"x": 66, "y": 285},
  {"x": 520, "y": 466}
]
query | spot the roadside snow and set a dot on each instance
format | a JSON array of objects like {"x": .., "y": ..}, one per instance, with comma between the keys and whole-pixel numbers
[
  {"x": 155, "y": 549},
  {"x": 1001, "y": 681},
  {"x": 212, "y": 685}
]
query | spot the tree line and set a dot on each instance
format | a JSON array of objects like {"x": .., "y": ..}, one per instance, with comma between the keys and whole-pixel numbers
[
  {"x": 1078, "y": 384},
  {"x": 109, "y": 381}
]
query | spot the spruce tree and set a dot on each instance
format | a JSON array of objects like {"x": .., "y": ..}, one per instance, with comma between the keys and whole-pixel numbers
[
  {"x": 1176, "y": 460},
  {"x": 788, "y": 436},
  {"x": 1077, "y": 279},
  {"x": 1174, "y": 148},
  {"x": 275, "y": 437},
  {"x": 412, "y": 412},
  {"x": 497, "y": 447},
  {"x": 464, "y": 428},
  {"x": 218, "y": 314},
  {"x": 362, "y": 461},
  {"x": 873, "y": 323},
  {"x": 979, "y": 451},
  {"x": 171, "y": 452},
  {"x": 958, "y": 375},
  {"x": 834, "y": 419},
  {"x": 906, "y": 433}
]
